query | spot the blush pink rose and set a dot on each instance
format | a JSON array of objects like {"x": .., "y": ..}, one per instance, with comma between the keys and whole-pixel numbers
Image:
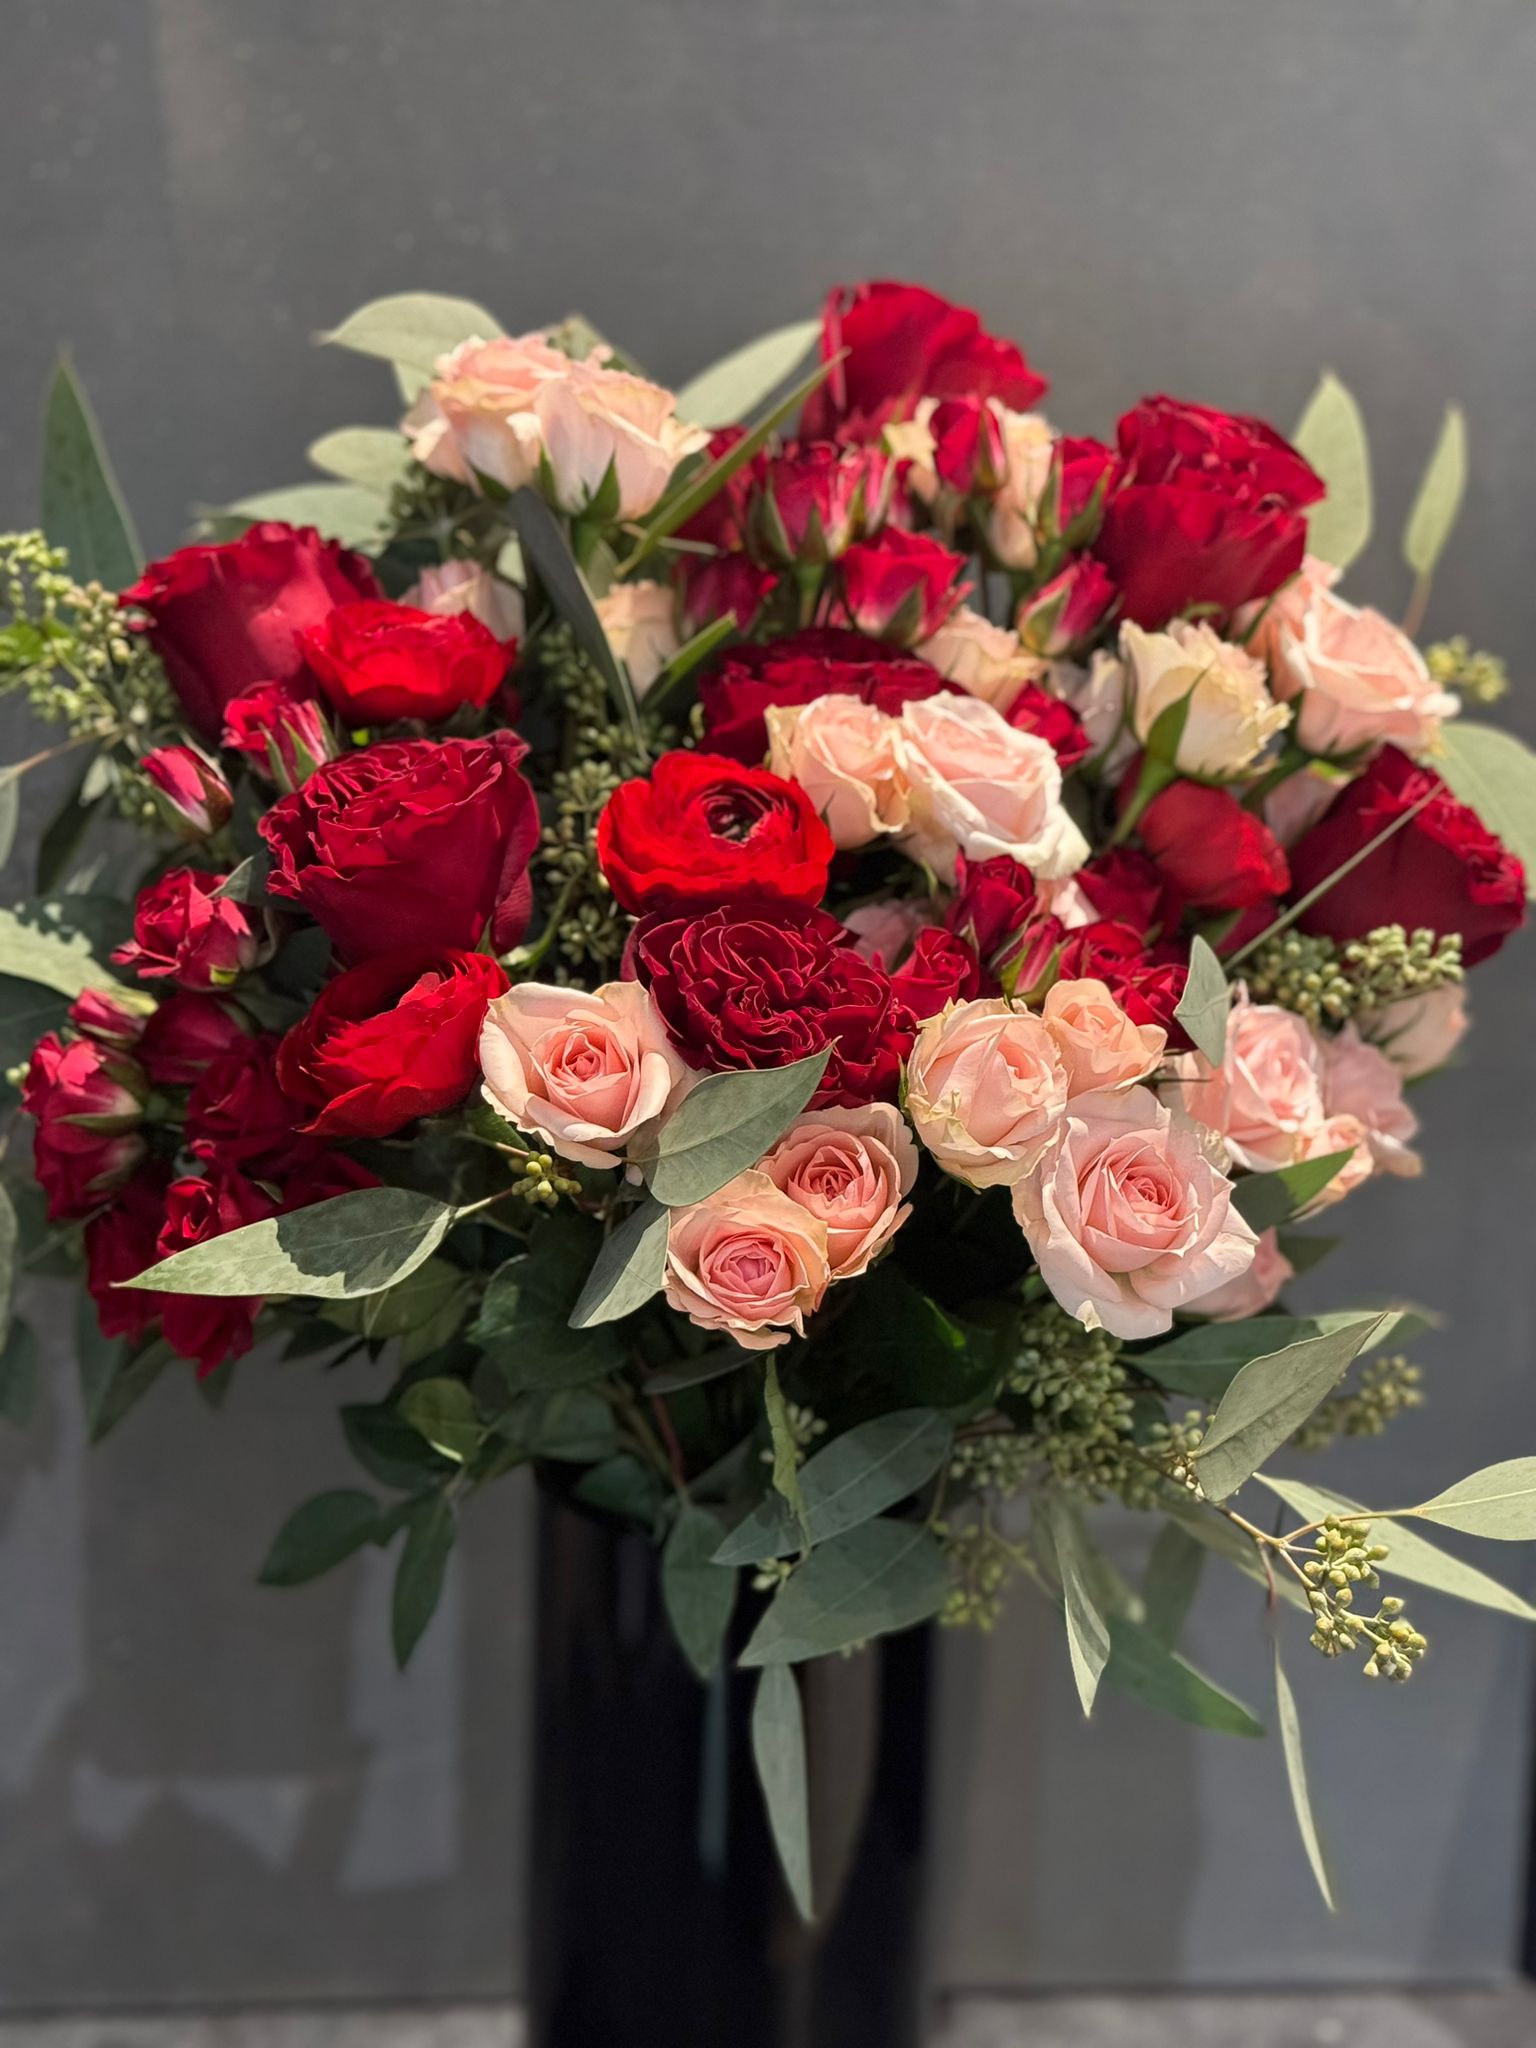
[
  {"x": 1419, "y": 1033},
  {"x": 1251, "y": 1292},
  {"x": 1360, "y": 1081},
  {"x": 884, "y": 931},
  {"x": 476, "y": 417},
  {"x": 596, "y": 423},
  {"x": 1266, "y": 1098},
  {"x": 581, "y": 1070},
  {"x": 641, "y": 624},
  {"x": 1099, "y": 1045},
  {"x": 981, "y": 787},
  {"x": 1293, "y": 806},
  {"x": 447, "y": 588},
  {"x": 847, "y": 758},
  {"x": 984, "y": 660},
  {"x": 986, "y": 1089},
  {"x": 1340, "y": 1132},
  {"x": 1127, "y": 1216},
  {"x": 848, "y": 1168},
  {"x": 750, "y": 1262}
]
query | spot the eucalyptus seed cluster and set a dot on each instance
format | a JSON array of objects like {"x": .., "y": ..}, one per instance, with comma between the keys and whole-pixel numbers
[
  {"x": 1080, "y": 1398},
  {"x": 425, "y": 506},
  {"x": 981, "y": 1564},
  {"x": 1343, "y": 1561},
  {"x": 1456, "y": 665},
  {"x": 1327, "y": 983},
  {"x": 1303, "y": 974},
  {"x": 541, "y": 1183},
  {"x": 1389, "y": 963},
  {"x": 996, "y": 1461},
  {"x": 1168, "y": 1453},
  {"x": 1388, "y": 1388}
]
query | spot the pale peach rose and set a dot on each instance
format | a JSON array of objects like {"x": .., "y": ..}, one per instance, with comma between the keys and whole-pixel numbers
[
  {"x": 749, "y": 1262},
  {"x": 581, "y": 1070},
  {"x": 979, "y": 787},
  {"x": 476, "y": 416},
  {"x": 1294, "y": 806},
  {"x": 1029, "y": 443},
  {"x": 1360, "y": 1081},
  {"x": 847, "y": 758},
  {"x": 1100, "y": 1047},
  {"x": 849, "y": 1168},
  {"x": 1231, "y": 716},
  {"x": 884, "y": 932},
  {"x": 986, "y": 1088},
  {"x": 1266, "y": 1098},
  {"x": 1251, "y": 1292},
  {"x": 452, "y": 587},
  {"x": 1098, "y": 694},
  {"x": 987, "y": 661},
  {"x": 1128, "y": 1217},
  {"x": 1340, "y": 1132},
  {"x": 1419, "y": 1033},
  {"x": 596, "y": 419},
  {"x": 640, "y": 620}
]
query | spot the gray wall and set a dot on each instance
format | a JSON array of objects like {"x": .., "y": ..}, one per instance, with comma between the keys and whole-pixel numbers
[{"x": 210, "y": 1792}]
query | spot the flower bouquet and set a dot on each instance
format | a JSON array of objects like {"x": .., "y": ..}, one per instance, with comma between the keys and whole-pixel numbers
[{"x": 797, "y": 957}]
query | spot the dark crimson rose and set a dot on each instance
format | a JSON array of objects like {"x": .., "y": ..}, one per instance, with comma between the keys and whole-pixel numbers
[
  {"x": 285, "y": 731},
  {"x": 718, "y": 587},
  {"x": 810, "y": 502},
  {"x": 701, "y": 827},
  {"x": 904, "y": 344},
  {"x": 239, "y": 1113},
  {"x": 88, "y": 1101},
  {"x": 751, "y": 986},
  {"x": 103, "y": 1018},
  {"x": 223, "y": 618},
  {"x": 820, "y": 662},
  {"x": 208, "y": 1327},
  {"x": 941, "y": 968},
  {"x": 119, "y": 1245},
  {"x": 1209, "y": 512},
  {"x": 1443, "y": 870},
  {"x": 1124, "y": 886},
  {"x": 411, "y": 843},
  {"x": 183, "y": 932},
  {"x": 968, "y": 452},
  {"x": 1064, "y": 615},
  {"x": 184, "y": 1034},
  {"x": 1036, "y": 710},
  {"x": 1146, "y": 981},
  {"x": 377, "y": 662},
  {"x": 1212, "y": 853},
  {"x": 900, "y": 587},
  {"x": 389, "y": 1041},
  {"x": 193, "y": 796}
]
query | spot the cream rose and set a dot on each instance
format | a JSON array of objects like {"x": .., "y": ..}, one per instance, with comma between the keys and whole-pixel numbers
[
  {"x": 750, "y": 1262},
  {"x": 453, "y": 587},
  {"x": 1419, "y": 1033},
  {"x": 1127, "y": 1216},
  {"x": 980, "y": 788},
  {"x": 1029, "y": 446},
  {"x": 582, "y": 1070},
  {"x": 595, "y": 419},
  {"x": 848, "y": 1168},
  {"x": 847, "y": 758},
  {"x": 1266, "y": 1097},
  {"x": 986, "y": 661},
  {"x": 476, "y": 416},
  {"x": 986, "y": 1088},
  {"x": 1099, "y": 1045},
  {"x": 1361, "y": 1081},
  {"x": 1232, "y": 716},
  {"x": 640, "y": 620},
  {"x": 1251, "y": 1292}
]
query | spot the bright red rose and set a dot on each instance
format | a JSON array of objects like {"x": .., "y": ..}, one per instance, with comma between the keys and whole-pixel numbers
[
  {"x": 1212, "y": 853},
  {"x": 1036, "y": 710},
  {"x": 208, "y": 1327},
  {"x": 184, "y": 1034},
  {"x": 389, "y": 1041},
  {"x": 377, "y": 662},
  {"x": 702, "y": 827},
  {"x": 1083, "y": 474},
  {"x": 900, "y": 587},
  {"x": 225, "y": 617},
  {"x": 903, "y": 344},
  {"x": 1443, "y": 870},
  {"x": 185, "y": 933},
  {"x": 193, "y": 796},
  {"x": 411, "y": 843},
  {"x": 759, "y": 987},
  {"x": 1209, "y": 513},
  {"x": 1146, "y": 981},
  {"x": 810, "y": 502},
  {"x": 120, "y": 1244},
  {"x": 721, "y": 586},
  {"x": 88, "y": 1101},
  {"x": 1064, "y": 615},
  {"x": 239, "y": 1113},
  {"x": 282, "y": 729},
  {"x": 968, "y": 453},
  {"x": 820, "y": 662},
  {"x": 941, "y": 968},
  {"x": 1125, "y": 886}
]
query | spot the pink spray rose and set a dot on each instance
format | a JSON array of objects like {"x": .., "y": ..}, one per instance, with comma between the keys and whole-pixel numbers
[
  {"x": 980, "y": 787},
  {"x": 847, "y": 758},
  {"x": 1099, "y": 1045},
  {"x": 750, "y": 1262},
  {"x": 1419, "y": 1033},
  {"x": 986, "y": 1088},
  {"x": 1251, "y": 1292},
  {"x": 1360, "y": 1081},
  {"x": 849, "y": 1169},
  {"x": 1266, "y": 1097}
]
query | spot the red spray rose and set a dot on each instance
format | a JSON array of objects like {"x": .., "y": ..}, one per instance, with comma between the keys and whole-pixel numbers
[
  {"x": 184, "y": 1034},
  {"x": 721, "y": 523},
  {"x": 1443, "y": 870},
  {"x": 820, "y": 662},
  {"x": 1212, "y": 853},
  {"x": 412, "y": 843},
  {"x": 1083, "y": 474},
  {"x": 377, "y": 662},
  {"x": 900, "y": 587},
  {"x": 105, "y": 1019},
  {"x": 185, "y": 933},
  {"x": 239, "y": 1112},
  {"x": 941, "y": 968},
  {"x": 718, "y": 587},
  {"x": 1064, "y": 615},
  {"x": 968, "y": 452},
  {"x": 997, "y": 910},
  {"x": 394, "y": 1039},
  {"x": 810, "y": 502},
  {"x": 225, "y": 617},
  {"x": 1146, "y": 981},
  {"x": 1036, "y": 710},
  {"x": 284, "y": 730},
  {"x": 1209, "y": 513},
  {"x": 1124, "y": 886},
  {"x": 759, "y": 987},
  {"x": 88, "y": 1101},
  {"x": 701, "y": 827},
  {"x": 208, "y": 1327},
  {"x": 193, "y": 796},
  {"x": 119, "y": 1245}
]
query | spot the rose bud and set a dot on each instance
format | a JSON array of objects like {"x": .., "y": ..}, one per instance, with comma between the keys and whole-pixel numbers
[
  {"x": 814, "y": 500},
  {"x": 284, "y": 730},
  {"x": 209, "y": 1327},
  {"x": 995, "y": 899},
  {"x": 902, "y": 587},
  {"x": 725, "y": 586},
  {"x": 107, "y": 1020},
  {"x": 1035, "y": 710},
  {"x": 88, "y": 1102},
  {"x": 1065, "y": 614},
  {"x": 183, "y": 1034},
  {"x": 968, "y": 449},
  {"x": 119, "y": 1245},
  {"x": 1082, "y": 474},
  {"x": 240, "y": 1114},
  {"x": 379, "y": 662},
  {"x": 191, "y": 795},
  {"x": 941, "y": 968},
  {"x": 447, "y": 588},
  {"x": 183, "y": 931}
]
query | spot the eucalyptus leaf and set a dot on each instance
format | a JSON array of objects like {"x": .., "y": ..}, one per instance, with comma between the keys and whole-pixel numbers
[
  {"x": 698, "y": 1593},
  {"x": 443, "y": 1411},
  {"x": 728, "y": 390},
  {"x": 320, "y": 1534},
  {"x": 1203, "y": 1361},
  {"x": 1213, "y": 1532},
  {"x": 878, "y": 1577},
  {"x": 1203, "y": 1007},
  {"x": 547, "y": 553},
  {"x": 698, "y": 1372},
  {"x": 83, "y": 508},
  {"x": 778, "y": 1751},
  {"x": 413, "y": 328},
  {"x": 1141, "y": 1667},
  {"x": 1496, "y": 774},
  {"x": 429, "y": 1533},
  {"x": 860, "y": 1474},
  {"x": 56, "y": 959},
  {"x": 10, "y": 814},
  {"x": 349, "y": 513},
  {"x": 1087, "y": 1630},
  {"x": 1270, "y": 1398},
  {"x": 352, "y": 1244},
  {"x": 1172, "y": 1579},
  {"x": 1499, "y": 1502},
  {"x": 376, "y": 457},
  {"x": 1296, "y": 1777},
  {"x": 628, "y": 1270},
  {"x": 1331, "y": 435},
  {"x": 785, "y": 1448},
  {"x": 725, "y": 1124},
  {"x": 1263, "y": 1199},
  {"x": 1438, "y": 501}
]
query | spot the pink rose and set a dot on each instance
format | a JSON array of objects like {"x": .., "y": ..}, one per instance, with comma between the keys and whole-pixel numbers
[
  {"x": 986, "y": 1088},
  {"x": 1251, "y": 1292},
  {"x": 849, "y": 1169},
  {"x": 884, "y": 932},
  {"x": 476, "y": 416},
  {"x": 605, "y": 432},
  {"x": 1100, "y": 1046},
  {"x": 1098, "y": 695},
  {"x": 847, "y": 758},
  {"x": 1293, "y": 806},
  {"x": 448, "y": 588},
  {"x": 1266, "y": 1098},
  {"x": 582, "y": 1070},
  {"x": 1340, "y": 1132},
  {"x": 641, "y": 624},
  {"x": 986, "y": 661},
  {"x": 980, "y": 787},
  {"x": 1361, "y": 1081},
  {"x": 1419, "y": 1033},
  {"x": 1127, "y": 1217},
  {"x": 749, "y": 1261}
]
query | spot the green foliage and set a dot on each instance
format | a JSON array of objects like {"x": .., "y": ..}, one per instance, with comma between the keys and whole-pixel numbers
[
  {"x": 1272, "y": 1396},
  {"x": 736, "y": 385},
  {"x": 390, "y": 1449},
  {"x": 352, "y": 1244},
  {"x": 1499, "y": 1501},
  {"x": 1296, "y": 1776},
  {"x": 353, "y": 514},
  {"x": 1203, "y": 1360},
  {"x": 1140, "y": 1666},
  {"x": 699, "y": 1593},
  {"x": 37, "y": 946},
  {"x": 1331, "y": 435},
  {"x": 922, "y": 1356},
  {"x": 375, "y": 457},
  {"x": 321, "y": 1534},
  {"x": 1438, "y": 501},
  {"x": 443, "y": 1411},
  {"x": 1203, "y": 1007},
  {"x": 873, "y": 1466},
  {"x": 1496, "y": 774},
  {"x": 628, "y": 1270},
  {"x": 1088, "y": 1642},
  {"x": 1264, "y": 1199},
  {"x": 878, "y": 1577},
  {"x": 526, "y": 1318},
  {"x": 778, "y": 1751},
  {"x": 1172, "y": 1580},
  {"x": 429, "y": 1534},
  {"x": 547, "y": 553},
  {"x": 83, "y": 508},
  {"x": 413, "y": 328},
  {"x": 724, "y": 1125}
]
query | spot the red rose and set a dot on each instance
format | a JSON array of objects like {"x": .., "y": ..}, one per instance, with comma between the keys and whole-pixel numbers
[
  {"x": 183, "y": 932},
  {"x": 1209, "y": 513},
  {"x": 1146, "y": 981},
  {"x": 88, "y": 1101},
  {"x": 1444, "y": 870},
  {"x": 323, "y": 1175},
  {"x": 184, "y": 1034},
  {"x": 412, "y": 843},
  {"x": 1064, "y": 615},
  {"x": 941, "y": 968},
  {"x": 968, "y": 452},
  {"x": 811, "y": 501},
  {"x": 389, "y": 1041},
  {"x": 998, "y": 912},
  {"x": 377, "y": 662},
  {"x": 208, "y": 1327},
  {"x": 225, "y": 617},
  {"x": 102, "y": 1017},
  {"x": 742, "y": 987},
  {"x": 903, "y": 344},
  {"x": 193, "y": 796},
  {"x": 721, "y": 523},
  {"x": 1213, "y": 854},
  {"x": 1036, "y": 710},
  {"x": 1124, "y": 886},
  {"x": 1083, "y": 474},
  {"x": 119, "y": 1245},
  {"x": 238, "y": 1111},
  {"x": 901, "y": 587},
  {"x": 718, "y": 587},
  {"x": 701, "y": 827},
  {"x": 821, "y": 662},
  {"x": 283, "y": 730}
]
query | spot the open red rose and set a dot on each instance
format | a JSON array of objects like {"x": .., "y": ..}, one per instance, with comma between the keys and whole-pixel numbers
[
  {"x": 208, "y": 1327},
  {"x": 119, "y": 1245},
  {"x": 239, "y": 1113},
  {"x": 900, "y": 587},
  {"x": 822, "y": 661},
  {"x": 377, "y": 662},
  {"x": 941, "y": 968},
  {"x": 1209, "y": 511},
  {"x": 1212, "y": 853},
  {"x": 1146, "y": 981},
  {"x": 1124, "y": 886},
  {"x": 1443, "y": 870},
  {"x": 227, "y": 616},
  {"x": 411, "y": 843},
  {"x": 184, "y": 1034},
  {"x": 701, "y": 827},
  {"x": 751, "y": 986},
  {"x": 391, "y": 1040},
  {"x": 184, "y": 932},
  {"x": 88, "y": 1100}
]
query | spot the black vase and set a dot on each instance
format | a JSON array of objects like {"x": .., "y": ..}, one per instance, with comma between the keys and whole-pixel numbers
[{"x": 658, "y": 1917}]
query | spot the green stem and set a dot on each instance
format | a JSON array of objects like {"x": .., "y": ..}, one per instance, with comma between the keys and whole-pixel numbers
[{"x": 1288, "y": 917}]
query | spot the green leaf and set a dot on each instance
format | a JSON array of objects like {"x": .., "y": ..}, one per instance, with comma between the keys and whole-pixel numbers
[
  {"x": 1203, "y": 1362},
  {"x": 1271, "y": 1397},
  {"x": 928, "y": 1358},
  {"x": 409, "y": 1305},
  {"x": 688, "y": 657},
  {"x": 881, "y": 1576},
  {"x": 778, "y": 1750},
  {"x": 860, "y": 1474},
  {"x": 725, "y": 1124},
  {"x": 628, "y": 1270},
  {"x": 1202, "y": 1009},
  {"x": 10, "y": 1237},
  {"x": 62, "y": 836},
  {"x": 443, "y": 1411},
  {"x": 1263, "y": 1199},
  {"x": 413, "y": 328},
  {"x": 699, "y": 1594},
  {"x": 429, "y": 1532},
  {"x": 112, "y": 1378},
  {"x": 1142, "y": 1668},
  {"x": 321, "y": 1534},
  {"x": 56, "y": 959},
  {"x": 1296, "y": 1776},
  {"x": 1331, "y": 435},
  {"x": 1305, "y": 1251},
  {"x": 83, "y": 508},
  {"x": 1439, "y": 497},
  {"x": 547, "y": 553},
  {"x": 736, "y": 385},
  {"x": 786, "y": 1450},
  {"x": 525, "y": 1317},
  {"x": 713, "y": 1365},
  {"x": 1496, "y": 774},
  {"x": 624, "y": 1487},
  {"x": 1499, "y": 1502},
  {"x": 1172, "y": 1580},
  {"x": 387, "y": 1447},
  {"x": 348, "y": 513},
  {"x": 358, "y": 1243},
  {"x": 18, "y": 1374},
  {"x": 376, "y": 457},
  {"x": 1087, "y": 1630}
]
